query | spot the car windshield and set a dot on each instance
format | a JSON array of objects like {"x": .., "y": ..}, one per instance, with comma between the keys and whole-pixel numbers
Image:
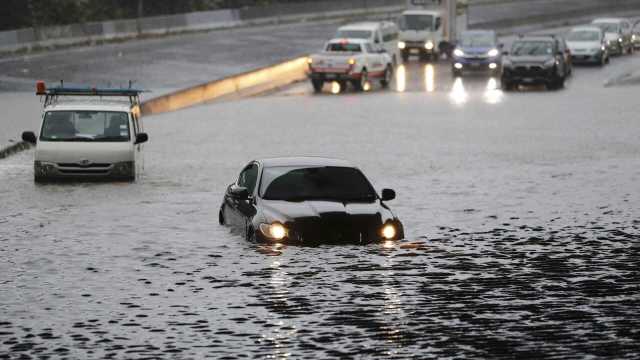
[
  {"x": 85, "y": 126},
  {"x": 353, "y": 34},
  {"x": 532, "y": 48},
  {"x": 583, "y": 35},
  {"x": 348, "y": 47},
  {"x": 609, "y": 27},
  {"x": 416, "y": 22},
  {"x": 477, "y": 40},
  {"x": 316, "y": 183}
]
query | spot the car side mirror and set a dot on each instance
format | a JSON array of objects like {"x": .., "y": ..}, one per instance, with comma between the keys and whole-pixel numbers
[
  {"x": 560, "y": 53},
  {"x": 142, "y": 138},
  {"x": 239, "y": 192},
  {"x": 29, "y": 137},
  {"x": 500, "y": 46},
  {"x": 388, "y": 195},
  {"x": 505, "y": 53}
]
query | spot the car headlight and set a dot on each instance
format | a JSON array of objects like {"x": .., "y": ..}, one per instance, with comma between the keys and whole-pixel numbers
[
  {"x": 352, "y": 61},
  {"x": 633, "y": 37},
  {"x": 458, "y": 53},
  {"x": 603, "y": 48},
  {"x": 388, "y": 231},
  {"x": 619, "y": 40},
  {"x": 493, "y": 52},
  {"x": 402, "y": 44},
  {"x": 275, "y": 231},
  {"x": 549, "y": 63},
  {"x": 429, "y": 45}
]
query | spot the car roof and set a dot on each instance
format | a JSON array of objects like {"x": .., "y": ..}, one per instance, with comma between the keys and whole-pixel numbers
[
  {"x": 349, "y": 40},
  {"x": 303, "y": 161},
  {"x": 607, "y": 20},
  {"x": 85, "y": 104},
  {"x": 586, "y": 28},
  {"x": 421, "y": 12},
  {"x": 366, "y": 25}
]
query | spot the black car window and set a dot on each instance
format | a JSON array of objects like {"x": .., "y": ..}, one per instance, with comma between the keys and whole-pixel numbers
[
  {"x": 532, "y": 48},
  {"x": 316, "y": 183},
  {"x": 248, "y": 177},
  {"x": 344, "y": 46}
]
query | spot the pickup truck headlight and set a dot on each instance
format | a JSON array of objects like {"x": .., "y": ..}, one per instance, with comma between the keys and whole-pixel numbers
[
  {"x": 352, "y": 61},
  {"x": 550, "y": 63},
  {"x": 429, "y": 45},
  {"x": 493, "y": 52},
  {"x": 402, "y": 44},
  {"x": 275, "y": 231},
  {"x": 458, "y": 53}
]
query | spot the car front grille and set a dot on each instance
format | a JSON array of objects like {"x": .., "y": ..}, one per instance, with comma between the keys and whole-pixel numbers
[{"x": 338, "y": 227}]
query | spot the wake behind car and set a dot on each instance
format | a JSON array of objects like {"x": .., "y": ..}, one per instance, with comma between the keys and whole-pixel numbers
[
  {"x": 477, "y": 51},
  {"x": 536, "y": 60},
  {"x": 88, "y": 134},
  {"x": 588, "y": 45},
  {"x": 354, "y": 61},
  {"x": 308, "y": 200}
]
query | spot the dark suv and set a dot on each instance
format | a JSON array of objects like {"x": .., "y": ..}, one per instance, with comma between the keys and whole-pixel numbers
[{"x": 536, "y": 60}]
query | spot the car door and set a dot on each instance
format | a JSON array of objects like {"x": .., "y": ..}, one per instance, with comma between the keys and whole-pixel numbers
[{"x": 240, "y": 211}]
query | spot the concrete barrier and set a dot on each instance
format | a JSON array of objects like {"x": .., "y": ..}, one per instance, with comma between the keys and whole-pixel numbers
[{"x": 245, "y": 84}]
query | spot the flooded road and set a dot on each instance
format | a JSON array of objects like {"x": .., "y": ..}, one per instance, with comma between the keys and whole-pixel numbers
[{"x": 522, "y": 215}]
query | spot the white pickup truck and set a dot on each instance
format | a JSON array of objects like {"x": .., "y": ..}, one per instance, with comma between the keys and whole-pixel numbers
[{"x": 350, "y": 60}]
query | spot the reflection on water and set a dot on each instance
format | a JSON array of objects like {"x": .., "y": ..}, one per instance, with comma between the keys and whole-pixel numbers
[
  {"x": 401, "y": 78},
  {"x": 429, "y": 76},
  {"x": 493, "y": 93},
  {"x": 335, "y": 87},
  {"x": 458, "y": 94}
]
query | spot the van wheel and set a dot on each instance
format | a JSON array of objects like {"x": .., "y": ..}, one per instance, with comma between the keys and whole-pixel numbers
[
  {"x": 388, "y": 75},
  {"x": 317, "y": 85},
  {"x": 251, "y": 235},
  {"x": 221, "y": 219}
]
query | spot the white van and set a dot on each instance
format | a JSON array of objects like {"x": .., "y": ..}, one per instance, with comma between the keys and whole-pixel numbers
[
  {"x": 421, "y": 33},
  {"x": 88, "y": 134},
  {"x": 383, "y": 33}
]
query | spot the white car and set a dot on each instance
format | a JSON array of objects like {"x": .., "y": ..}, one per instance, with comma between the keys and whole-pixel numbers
[
  {"x": 354, "y": 61},
  {"x": 88, "y": 134},
  {"x": 588, "y": 45},
  {"x": 617, "y": 32},
  {"x": 383, "y": 33}
]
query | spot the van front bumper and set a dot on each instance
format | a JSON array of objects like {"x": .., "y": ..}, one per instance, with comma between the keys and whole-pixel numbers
[{"x": 48, "y": 171}]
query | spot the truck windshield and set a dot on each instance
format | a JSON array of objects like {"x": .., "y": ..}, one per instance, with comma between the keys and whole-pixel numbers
[
  {"x": 609, "y": 27},
  {"x": 330, "y": 183},
  {"x": 532, "y": 48},
  {"x": 344, "y": 47},
  {"x": 416, "y": 22},
  {"x": 477, "y": 40},
  {"x": 85, "y": 126},
  {"x": 353, "y": 34}
]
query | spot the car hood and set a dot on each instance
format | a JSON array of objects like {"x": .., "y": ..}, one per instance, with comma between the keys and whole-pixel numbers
[
  {"x": 472, "y": 50},
  {"x": 285, "y": 211},
  {"x": 74, "y": 152},
  {"x": 529, "y": 59},
  {"x": 577, "y": 45},
  {"x": 611, "y": 36}
]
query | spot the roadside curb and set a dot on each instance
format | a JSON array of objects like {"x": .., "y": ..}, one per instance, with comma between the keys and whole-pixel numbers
[{"x": 15, "y": 148}]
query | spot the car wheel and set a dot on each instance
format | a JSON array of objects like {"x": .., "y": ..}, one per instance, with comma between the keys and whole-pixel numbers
[
  {"x": 251, "y": 235},
  {"x": 360, "y": 84},
  {"x": 388, "y": 75},
  {"x": 556, "y": 84},
  {"x": 405, "y": 56},
  {"x": 507, "y": 85},
  {"x": 456, "y": 72},
  {"x": 317, "y": 85}
]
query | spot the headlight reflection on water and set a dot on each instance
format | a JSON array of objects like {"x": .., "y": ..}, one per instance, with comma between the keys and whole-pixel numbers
[
  {"x": 429, "y": 78},
  {"x": 335, "y": 87},
  {"x": 401, "y": 78},
  {"x": 458, "y": 94},
  {"x": 493, "y": 94}
]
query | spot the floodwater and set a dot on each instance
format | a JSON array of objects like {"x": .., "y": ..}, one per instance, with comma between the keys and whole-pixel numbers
[{"x": 522, "y": 215}]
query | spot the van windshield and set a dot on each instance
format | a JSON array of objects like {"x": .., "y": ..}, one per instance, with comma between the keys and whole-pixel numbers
[
  {"x": 85, "y": 126},
  {"x": 416, "y": 22},
  {"x": 353, "y": 34}
]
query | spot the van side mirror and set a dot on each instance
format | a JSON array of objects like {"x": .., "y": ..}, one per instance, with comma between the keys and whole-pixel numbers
[
  {"x": 142, "y": 138},
  {"x": 29, "y": 137},
  {"x": 501, "y": 46},
  {"x": 505, "y": 53},
  {"x": 388, "y": 195},
  {"x": 239, "y": 192}
]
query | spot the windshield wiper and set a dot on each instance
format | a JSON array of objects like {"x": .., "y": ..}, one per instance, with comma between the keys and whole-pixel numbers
[{"x": 110, "y": 138}]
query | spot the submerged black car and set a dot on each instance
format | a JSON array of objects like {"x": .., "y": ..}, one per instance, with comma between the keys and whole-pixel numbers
[
  {"x": 308, "y": 200},
  {"x": 536, "y": 60}
]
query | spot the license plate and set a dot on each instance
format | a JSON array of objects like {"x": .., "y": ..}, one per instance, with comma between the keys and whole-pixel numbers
[
  {"x": 414, "y": 51},
  {"x": 331, "y": 76},
  {"x": 475, "y": 65},
  {"x": 528, "y": 80}
]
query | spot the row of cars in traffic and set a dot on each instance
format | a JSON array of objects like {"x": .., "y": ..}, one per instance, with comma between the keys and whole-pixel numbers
[{"x": 363, "y": 52}]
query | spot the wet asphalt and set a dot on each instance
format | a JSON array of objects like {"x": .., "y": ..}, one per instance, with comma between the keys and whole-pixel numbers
[{"x": 520, "y": 208}]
